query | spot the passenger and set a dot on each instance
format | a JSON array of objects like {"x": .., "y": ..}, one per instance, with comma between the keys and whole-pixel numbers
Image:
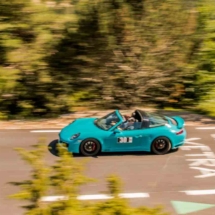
[{"x": 130, "y": 124}]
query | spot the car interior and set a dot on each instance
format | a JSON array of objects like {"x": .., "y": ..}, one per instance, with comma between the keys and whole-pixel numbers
[{"x": 140, "y": 116}]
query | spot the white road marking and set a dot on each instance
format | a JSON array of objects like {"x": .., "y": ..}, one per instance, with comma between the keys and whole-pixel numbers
[
  {"x": 45, "y": 131},
  {"x": 205, "y": 172},
  {"x": 199, "y": 192},
  {"x": 204, "y": 162},
  {"x": 205, "y": 148},
  {"x": 197, "y": 163},
  {"x": 207, "y": 154},
  {"x": 213, "y": 136},
  {"x": 205, "y": 128},
  {"x": 52, "y": 198},
  {"x": 96, "y": 197},
  {"x": 191, "y": 139},
  {"x": 134, "y": 195}
]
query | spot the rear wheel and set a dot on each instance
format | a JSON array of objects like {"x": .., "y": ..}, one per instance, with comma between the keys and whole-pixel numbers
[
  {"x": 90, "y": 147},
  {"x": 161, "y": 145}
]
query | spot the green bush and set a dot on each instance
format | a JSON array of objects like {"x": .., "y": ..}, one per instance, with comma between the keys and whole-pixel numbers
[{"x": 65, "y": 178}]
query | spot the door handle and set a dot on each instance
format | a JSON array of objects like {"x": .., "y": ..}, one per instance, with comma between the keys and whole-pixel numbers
[{"x": 137, "y": 136}]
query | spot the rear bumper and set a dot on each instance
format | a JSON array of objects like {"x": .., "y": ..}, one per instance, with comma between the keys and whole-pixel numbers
[
  {"x": 178, "y": 145},
  {"x": 179, "y": 140}
]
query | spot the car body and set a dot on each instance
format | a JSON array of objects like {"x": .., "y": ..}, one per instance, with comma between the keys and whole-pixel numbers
[{"x": 150, "y": 132}]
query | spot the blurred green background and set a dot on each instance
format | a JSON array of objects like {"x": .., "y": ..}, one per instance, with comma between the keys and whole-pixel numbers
[{"x": 65, "y": 55}]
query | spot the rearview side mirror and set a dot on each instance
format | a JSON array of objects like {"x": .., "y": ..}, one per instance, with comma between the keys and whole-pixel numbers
[{"x": 116, "y": 131}]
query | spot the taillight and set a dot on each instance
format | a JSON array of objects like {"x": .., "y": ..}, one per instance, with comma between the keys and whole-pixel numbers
[{"x": 180, "y": 132}]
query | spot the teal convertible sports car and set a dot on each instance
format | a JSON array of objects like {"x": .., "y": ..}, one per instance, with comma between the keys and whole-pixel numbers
[{"x": 142, "y": 131}]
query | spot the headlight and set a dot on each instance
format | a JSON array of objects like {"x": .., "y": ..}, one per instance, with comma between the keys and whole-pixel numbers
[{"x": 75, "y": 136}]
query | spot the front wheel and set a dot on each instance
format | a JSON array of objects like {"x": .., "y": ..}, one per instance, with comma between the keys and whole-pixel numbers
[
  {"x": 161, "y": 146},
  {"x": 90, "y": 147}
]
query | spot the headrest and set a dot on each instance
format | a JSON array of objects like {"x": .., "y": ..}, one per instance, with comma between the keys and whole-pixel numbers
[{"x": 145, "y": 123}]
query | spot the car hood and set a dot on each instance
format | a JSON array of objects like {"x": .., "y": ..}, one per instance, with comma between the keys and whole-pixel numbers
[{"x": 83, "y": 125}]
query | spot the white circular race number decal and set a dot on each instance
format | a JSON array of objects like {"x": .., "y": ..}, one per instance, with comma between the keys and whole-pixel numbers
[{"x": 124, "y": 139}]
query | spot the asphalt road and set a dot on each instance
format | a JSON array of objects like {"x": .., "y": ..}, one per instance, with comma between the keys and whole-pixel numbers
[{"x": 167, "y": 180}]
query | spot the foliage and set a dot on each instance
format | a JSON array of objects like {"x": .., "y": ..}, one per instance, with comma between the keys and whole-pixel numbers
[
  {"x": 119, "y": 206},
  {"x": 59, "y": 55},
  {"x": 138, "y": 53},
  {"x": 34, "y": 189},
  {"x": 205, "y": 60},
  {"x": 65, "y": 178}
]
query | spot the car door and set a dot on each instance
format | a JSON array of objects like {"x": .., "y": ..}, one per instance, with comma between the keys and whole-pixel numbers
[
  {"x": 124, "y": 141},
  {"x": 145, "y": 139}
]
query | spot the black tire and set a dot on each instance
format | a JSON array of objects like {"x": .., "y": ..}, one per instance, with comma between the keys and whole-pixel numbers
[
  {"x": 90, "y": 147},
  {"x": 161, "y": 146},
  {"x": 53, "y": 147}
]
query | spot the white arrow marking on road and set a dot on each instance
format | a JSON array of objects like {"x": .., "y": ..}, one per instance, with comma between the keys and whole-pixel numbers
[
  {"x": 45, "y": 131},
  {"x": 199, "y": 192},
  {"x": 95, "y": 197}
]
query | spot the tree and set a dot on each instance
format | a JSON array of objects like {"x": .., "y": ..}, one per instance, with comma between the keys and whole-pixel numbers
[
  {"x": 204, "y": 58},
  {"x": 139, "y": 53},
  {"x": 56, "y": 55},
  {"x": 28, "y": 31}
]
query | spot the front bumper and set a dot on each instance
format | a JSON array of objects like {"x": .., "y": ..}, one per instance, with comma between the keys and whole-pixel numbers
[{"x": 72, "y": 145}]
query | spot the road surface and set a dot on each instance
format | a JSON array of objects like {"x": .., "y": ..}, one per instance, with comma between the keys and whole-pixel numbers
[{"x": 183, "y": 181}]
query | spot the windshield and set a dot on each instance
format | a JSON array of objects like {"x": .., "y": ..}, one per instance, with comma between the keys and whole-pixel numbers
[{"x": 108, "y": 121}]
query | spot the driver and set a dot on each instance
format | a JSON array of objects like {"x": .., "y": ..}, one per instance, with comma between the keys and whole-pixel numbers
[
  {"x": 128, "y": 124},
  {"x": 113, "y": 123}
]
